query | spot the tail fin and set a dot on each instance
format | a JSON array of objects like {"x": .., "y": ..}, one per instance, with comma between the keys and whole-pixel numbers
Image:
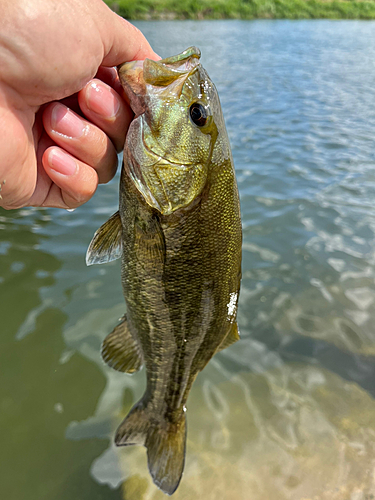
[{"x": 165, "y": 443}]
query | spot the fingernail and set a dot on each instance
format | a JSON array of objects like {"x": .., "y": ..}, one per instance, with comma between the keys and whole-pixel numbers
[
  {"x": 102, "y": 100},
  {"x": 61, "y": 162},
  {"x": 64, "y": 121}
]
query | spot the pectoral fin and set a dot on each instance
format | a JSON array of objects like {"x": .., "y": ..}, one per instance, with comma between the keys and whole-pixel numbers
[
  {"x": 231, "y": 337},
  {"x": 149, "y": 241},
  {"x": 120, "y": 351},
  {"x": 106, "y": 244}
]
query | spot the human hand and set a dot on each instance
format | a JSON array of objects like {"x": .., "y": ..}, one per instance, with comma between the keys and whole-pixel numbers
[{"x": 50, "y": 51}]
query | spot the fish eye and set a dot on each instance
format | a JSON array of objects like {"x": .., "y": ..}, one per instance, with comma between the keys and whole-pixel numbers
[{"x": 198, "y": 114}]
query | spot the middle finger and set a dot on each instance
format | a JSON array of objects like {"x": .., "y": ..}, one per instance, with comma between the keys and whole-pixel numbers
[
  {"x": 82, "y": 139},
  {"x": 102, "y": 105}
]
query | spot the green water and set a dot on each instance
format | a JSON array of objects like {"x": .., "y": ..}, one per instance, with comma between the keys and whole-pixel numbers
[{"x": 288, "y": 412}]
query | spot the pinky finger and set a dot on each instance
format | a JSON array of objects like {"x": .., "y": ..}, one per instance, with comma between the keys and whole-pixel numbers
[{"x": 73, "y": 182}]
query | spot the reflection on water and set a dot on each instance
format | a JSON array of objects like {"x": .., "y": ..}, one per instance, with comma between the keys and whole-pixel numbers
[{"x": 287, "y": 413}]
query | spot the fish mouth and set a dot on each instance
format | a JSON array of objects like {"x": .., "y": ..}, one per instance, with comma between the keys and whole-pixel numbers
[
  {"x": 170, "y": 72},
  {"x": 163, "y": 72},
  {"x": 152, "y": 173}
]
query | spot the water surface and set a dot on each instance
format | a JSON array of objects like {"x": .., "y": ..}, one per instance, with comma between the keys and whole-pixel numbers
[{"x": 288, "y": 412}]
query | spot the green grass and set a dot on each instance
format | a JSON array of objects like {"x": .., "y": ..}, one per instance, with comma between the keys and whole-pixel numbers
[{"x": 244, "y": 9}]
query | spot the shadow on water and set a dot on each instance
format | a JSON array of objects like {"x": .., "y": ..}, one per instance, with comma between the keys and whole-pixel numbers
[
  {"x": 354, "y": 368},
  {"x": 39, "y": 395}
]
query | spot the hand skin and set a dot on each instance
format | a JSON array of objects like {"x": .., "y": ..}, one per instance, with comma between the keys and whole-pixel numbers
[{"x": 50, "y": 52}]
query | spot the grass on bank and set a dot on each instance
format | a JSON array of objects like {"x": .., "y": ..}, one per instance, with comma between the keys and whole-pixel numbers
[{"x": 244, "y": 9}]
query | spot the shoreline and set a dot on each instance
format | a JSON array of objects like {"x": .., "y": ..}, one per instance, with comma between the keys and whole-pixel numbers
[{"x": 168, "y": 10}]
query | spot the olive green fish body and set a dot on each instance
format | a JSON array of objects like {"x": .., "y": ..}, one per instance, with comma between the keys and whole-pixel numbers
[
  {"x": 179, "y": 231},
  {"x": 181, "y": 281}
]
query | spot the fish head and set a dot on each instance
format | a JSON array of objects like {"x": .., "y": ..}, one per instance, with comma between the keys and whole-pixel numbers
[{"x": 178, "y": 132}]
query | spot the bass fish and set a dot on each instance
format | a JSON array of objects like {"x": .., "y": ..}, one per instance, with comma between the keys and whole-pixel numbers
[{"x": 178, "y": 232}]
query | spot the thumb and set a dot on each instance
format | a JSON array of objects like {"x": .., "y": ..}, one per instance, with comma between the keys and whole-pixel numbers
[{"x": 122, "y": 40}]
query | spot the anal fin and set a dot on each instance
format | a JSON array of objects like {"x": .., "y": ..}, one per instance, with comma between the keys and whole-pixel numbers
[
  {"x": 120, "y": 351},
  {"x": 231, "y": 337}
]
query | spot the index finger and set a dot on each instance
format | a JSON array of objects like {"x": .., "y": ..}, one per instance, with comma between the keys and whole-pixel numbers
[{"x": 124, "y": 42}]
